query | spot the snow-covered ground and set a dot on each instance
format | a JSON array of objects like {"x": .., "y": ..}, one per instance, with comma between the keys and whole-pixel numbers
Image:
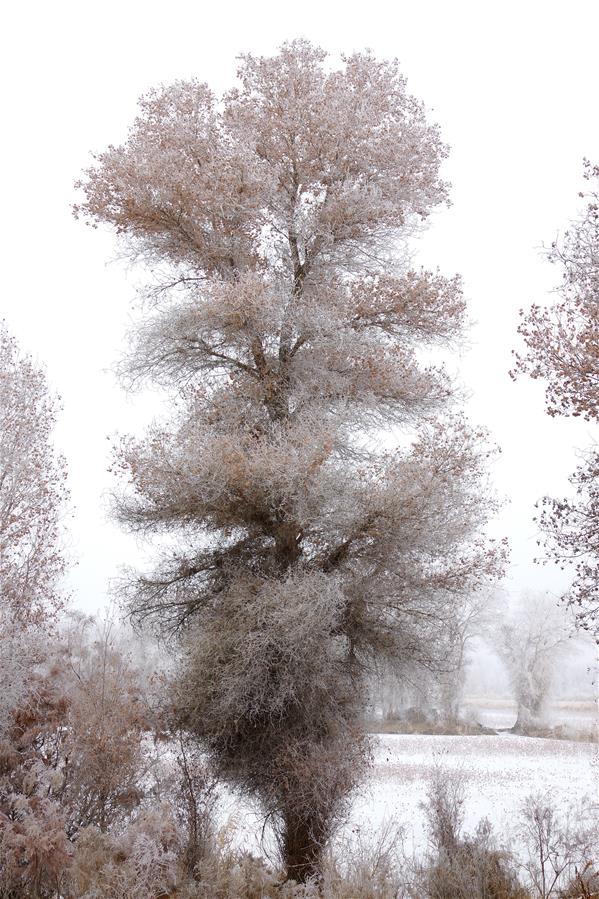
[{"x": 498, "y": 773}]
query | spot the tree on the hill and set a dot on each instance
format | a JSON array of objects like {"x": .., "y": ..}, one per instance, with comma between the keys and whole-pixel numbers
[
  {"x": 283, "y": 317},
  {"x": 563, "y": 349}
]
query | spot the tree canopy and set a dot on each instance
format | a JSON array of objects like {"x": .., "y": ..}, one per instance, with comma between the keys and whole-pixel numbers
[{"x": 562, "y": 348}]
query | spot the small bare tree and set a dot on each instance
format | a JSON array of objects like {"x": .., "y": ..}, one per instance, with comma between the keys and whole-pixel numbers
[
  {"x": 284, "y": 318},
  {"x": 559, "y": 851},
  {"x": 472, "y": 619}
]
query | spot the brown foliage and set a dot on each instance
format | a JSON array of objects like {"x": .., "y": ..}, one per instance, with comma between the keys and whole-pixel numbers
[
  {"x": 72, "y": 758},
  {"x": 460, "y": 866},
  {"x": 562, "y": 343}
]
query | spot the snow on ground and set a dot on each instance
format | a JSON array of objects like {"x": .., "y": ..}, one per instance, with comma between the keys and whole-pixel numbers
[{"x": 499, "y": 773}]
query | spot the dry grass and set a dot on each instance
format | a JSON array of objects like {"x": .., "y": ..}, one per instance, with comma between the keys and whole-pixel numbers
[
  {"x": 396, "y": 726},
  {"x": 562, "y": 732}
]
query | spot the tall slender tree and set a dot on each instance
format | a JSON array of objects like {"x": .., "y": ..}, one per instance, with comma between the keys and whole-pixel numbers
[
  {"x": 32, "y": 490},
  {"x": 32, "y": 499},
  {"x": 284, "y": 317},
  {"x": 562, "y": 348},
  {"x": 32, "y": 495}
]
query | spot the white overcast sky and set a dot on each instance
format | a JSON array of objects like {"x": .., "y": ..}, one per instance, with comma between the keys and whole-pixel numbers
[{"x": 514, "y": 87}]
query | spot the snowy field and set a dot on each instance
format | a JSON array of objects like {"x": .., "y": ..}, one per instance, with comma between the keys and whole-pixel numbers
[{"x": 498, "y": 771}]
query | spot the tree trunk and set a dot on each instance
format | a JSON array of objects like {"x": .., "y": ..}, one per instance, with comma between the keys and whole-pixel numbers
[
  {"x": 302, "y": 847},
  {"x": 524, "y": 718}
]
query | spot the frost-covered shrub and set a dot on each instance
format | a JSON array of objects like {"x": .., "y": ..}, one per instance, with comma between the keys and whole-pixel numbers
[
  {"x": 473, "y": 868},
  {"x": 559, "y": 852},
  {"x": 367, "y": 867},
  {"x": 142, "y": 862},
  {"x": 193, "y": 794},
  {"x": 244, "y": 877},
  {"x": 73, "y": 756},
  {"x": 461, "y": 866},
  {"x": 34, "y": 850}
]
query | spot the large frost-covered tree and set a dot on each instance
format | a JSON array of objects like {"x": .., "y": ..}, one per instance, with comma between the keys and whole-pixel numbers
[
  {"x": 284, "y": 318},
  {"x": 562, "y": 348}
]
